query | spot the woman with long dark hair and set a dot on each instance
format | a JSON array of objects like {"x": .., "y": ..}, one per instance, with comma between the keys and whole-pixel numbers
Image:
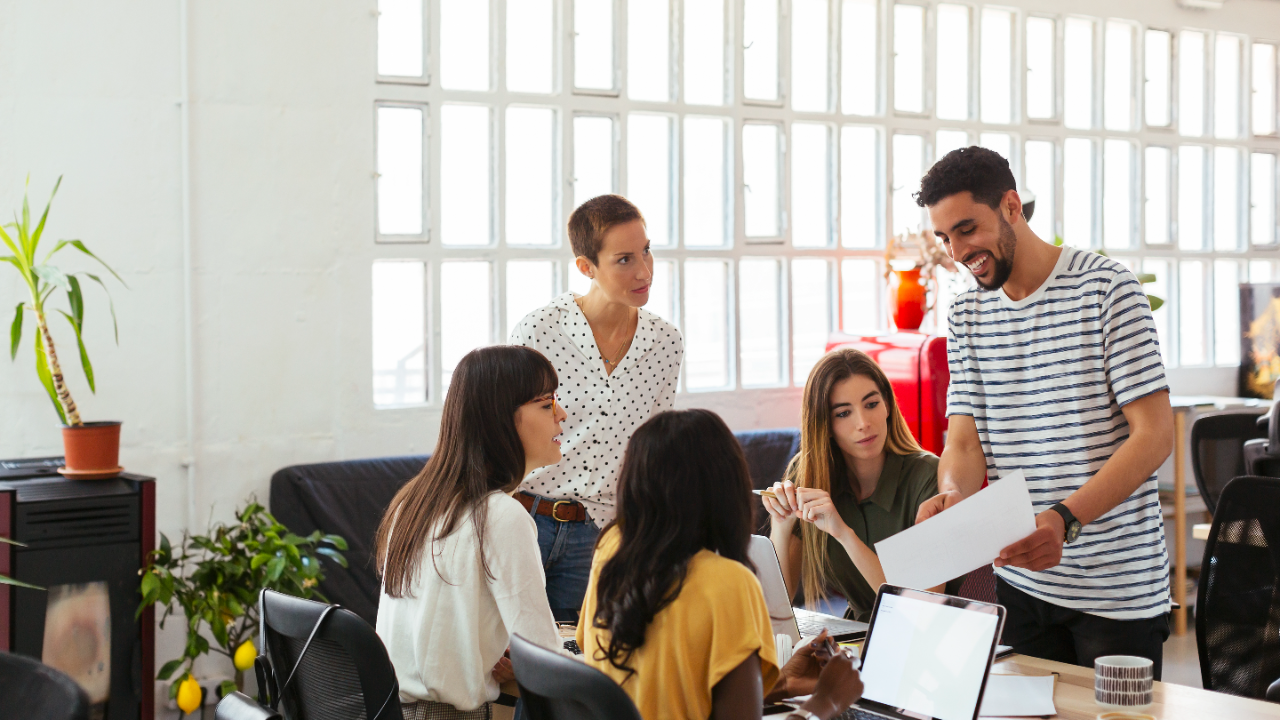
[
  {"x": 673, "y": 609},
  {"x": 859, "y": 478},
  {"x": 458, "y": 556}
]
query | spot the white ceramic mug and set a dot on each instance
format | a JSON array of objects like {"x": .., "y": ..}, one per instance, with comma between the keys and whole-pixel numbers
[{"x": 1123, "y": 682}]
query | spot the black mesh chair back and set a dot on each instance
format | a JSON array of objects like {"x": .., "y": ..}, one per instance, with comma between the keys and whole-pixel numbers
[
  {"x": 1217, "y": 450},
  {"x": 32, "y": 690},
  {"x": 1238, "y": 618},
  {"x": 980, "y": 585},
  {"x": 555, "y": 687},
  {"x": 344, "y": 673},
  {"x": 1262, "y": 457}
]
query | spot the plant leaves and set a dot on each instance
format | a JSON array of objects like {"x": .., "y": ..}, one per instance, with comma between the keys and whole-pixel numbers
[
  {"x": 84, "y": 354},
  {"x": 115, "y": 327},
  {"x": 75, "y": 299},
  {"x": 46, "y": 377},
  {"x": 337, "y": 556},
  {"x": 15, "y": 333},
  {"x": 6, "y": 580},
  {"x": 13, "y": 248},
  {"x": 337, "y": 541},
  {"x": 35, "y": 234},
  {"x": 1145, "y": 278},
  {"x": 80, "y": 246},
  {"x": 167, "y": 670},
  {"x": 1155, "y": 302},
  {"x": 11, "y": 541},
  {"x": 53, "y": 276},
  {"x": 226, "y": 688},
  {"x": 258, "y": 560}
]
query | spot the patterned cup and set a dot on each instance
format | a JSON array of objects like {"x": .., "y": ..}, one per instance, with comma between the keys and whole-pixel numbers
[{"x": 1122, "y": 682}]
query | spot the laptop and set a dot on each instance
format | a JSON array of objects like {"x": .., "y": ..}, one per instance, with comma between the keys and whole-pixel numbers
[
  {"x": 926, "y": 656},
  {"x": 795, "y": 622}
]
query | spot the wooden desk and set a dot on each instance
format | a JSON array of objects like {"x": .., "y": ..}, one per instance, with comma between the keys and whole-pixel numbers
[
  {"x": 1073, "y": 695},
  {"x": 1200, "y": 531}
]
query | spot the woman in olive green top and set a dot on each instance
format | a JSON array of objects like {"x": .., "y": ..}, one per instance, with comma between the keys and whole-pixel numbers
[{"x": 859, "y": 477}]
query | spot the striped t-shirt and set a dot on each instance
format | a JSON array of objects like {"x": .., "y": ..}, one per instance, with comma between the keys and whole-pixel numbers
[{"x": 1044, "y": 379}]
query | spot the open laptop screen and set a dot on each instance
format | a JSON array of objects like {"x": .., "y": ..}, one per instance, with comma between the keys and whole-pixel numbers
[{"x": 928, "y": 653}]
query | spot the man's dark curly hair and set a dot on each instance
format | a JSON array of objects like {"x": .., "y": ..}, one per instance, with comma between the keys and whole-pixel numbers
[{"x": 974, "y": 169}]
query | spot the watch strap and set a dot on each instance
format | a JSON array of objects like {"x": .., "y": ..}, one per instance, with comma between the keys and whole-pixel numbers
[{"x": 1068, "y": 519}]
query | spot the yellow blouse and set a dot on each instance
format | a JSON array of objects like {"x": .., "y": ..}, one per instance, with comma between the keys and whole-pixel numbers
[{"x": 717, "y": 621}]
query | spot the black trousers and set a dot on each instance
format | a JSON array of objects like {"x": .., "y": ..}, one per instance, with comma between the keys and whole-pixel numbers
[{"x": 1044, "y": 630}]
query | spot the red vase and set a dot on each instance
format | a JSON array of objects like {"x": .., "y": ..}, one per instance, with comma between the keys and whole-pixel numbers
[{"x": 909, "y": 299}]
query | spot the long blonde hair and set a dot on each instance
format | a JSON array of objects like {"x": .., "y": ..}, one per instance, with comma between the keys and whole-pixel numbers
[{"x": 820, "y": 459}]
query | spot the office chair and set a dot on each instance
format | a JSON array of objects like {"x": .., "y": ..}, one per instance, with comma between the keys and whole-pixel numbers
[
  {"x": 980, "y": 585},
  {"x": 238, "y": 706},
  {"x": 1238, "y": 602},
  {"x": 1262, "y": 456},
  {"x": 34, "y": 691},
  {"x": 555, "y": 687},
  {"x": 322, "y": 662},
  {"x": 1217, "y": 450}
]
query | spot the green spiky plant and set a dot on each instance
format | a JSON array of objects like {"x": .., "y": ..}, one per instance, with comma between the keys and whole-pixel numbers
[
  {"x": 5, "y": 579},
  {"x": 42, "y": 279}
]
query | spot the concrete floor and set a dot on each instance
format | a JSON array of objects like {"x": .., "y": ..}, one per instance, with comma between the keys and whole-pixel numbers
[{"x": 1181, "y": 662}]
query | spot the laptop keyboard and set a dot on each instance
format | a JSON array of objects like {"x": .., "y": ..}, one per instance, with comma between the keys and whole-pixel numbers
[
  {"x": 858, "y": 713},
  {"x": 810, "y": 623}
]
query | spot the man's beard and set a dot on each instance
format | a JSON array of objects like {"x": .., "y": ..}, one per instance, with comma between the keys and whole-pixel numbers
[{"x": 1007, "y": 245}]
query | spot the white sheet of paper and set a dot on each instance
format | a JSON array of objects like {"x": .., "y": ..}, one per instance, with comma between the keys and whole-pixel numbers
[
  {"x": 961, "y": 539},
  {"x": 1018, "y": 696}
]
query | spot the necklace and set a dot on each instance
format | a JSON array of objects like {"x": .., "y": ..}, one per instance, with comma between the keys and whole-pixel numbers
[{"x": 621, "y": 352}]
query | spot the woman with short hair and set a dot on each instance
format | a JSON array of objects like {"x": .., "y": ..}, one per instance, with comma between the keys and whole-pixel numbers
[
  {"x": 456, "y": 554},
  {"x": 618, "y": 365}
]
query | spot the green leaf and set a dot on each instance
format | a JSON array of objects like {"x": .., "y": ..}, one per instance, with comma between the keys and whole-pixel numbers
[
  {"x": 227, "y": 687},
  {"x": 46, "y": 377},
  {"x": 75, "y": 299},
  {"x": 167, "y": 670},
  {"x": 110, "y": 304},
  {"x": 1057, "y": 241},
  {"x": 165, "y": 547},
  {"x": 173, "y": 689},
  {"x": 15, "y": 332},
  {"x": 11, "y": 541},
  {"x": 84, "y": 353},
  {"x": 1145, "y": 278},
  {"x": 331, "y": 553},
  {"x": 275, "y": 569},
  {"x": 35, "y": 234},
  {"x": 337, "y": 541},
  {"x": 13, "y": 248},
  {"x": 53, "y": 276},
  {"x": 258, "y": 560},
  {"x": 6, "y": 580},
  {"x": 80, "y": 246},
  {"x": 1155, "y": 302}
]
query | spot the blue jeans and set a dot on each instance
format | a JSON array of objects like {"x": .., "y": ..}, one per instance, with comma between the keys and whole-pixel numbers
[{"x": 566, "y": 549}]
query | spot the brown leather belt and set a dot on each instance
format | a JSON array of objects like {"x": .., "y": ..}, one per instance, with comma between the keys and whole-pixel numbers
[{"x": 561, "y": 510}]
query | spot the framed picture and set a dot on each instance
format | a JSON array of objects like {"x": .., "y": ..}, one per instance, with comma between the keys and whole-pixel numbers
[{"x": 1260, "y": 338}]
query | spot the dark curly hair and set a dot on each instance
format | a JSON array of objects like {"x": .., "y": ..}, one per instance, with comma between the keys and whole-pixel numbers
[{"x": 973, "y": 169}]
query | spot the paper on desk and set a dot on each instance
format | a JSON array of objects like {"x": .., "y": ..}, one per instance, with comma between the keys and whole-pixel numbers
[
  {"x": 961, "y": 539},
  {"x": 1018, "y": 696}
]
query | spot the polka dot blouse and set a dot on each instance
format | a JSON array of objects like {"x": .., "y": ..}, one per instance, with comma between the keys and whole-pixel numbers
[{"x": 603, "y": 410}]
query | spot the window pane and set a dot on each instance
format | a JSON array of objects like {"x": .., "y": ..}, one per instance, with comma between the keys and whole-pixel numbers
[
  {"x": 810, "y": 185},
  {"x": 759, "y": 301},
  {"x": 1192, "y": 345},
  {"x": 1260, "y": 271},
  {"x": 1118, "y": 84},
  {"x": 1041, "y": 80},
  {"x": 399, "y": 332},
  {"x": 1264, "y": 89},
  {"x": 810, "y": 314},
  {"x": 810, "y": 36},
  {"x": 1077, "y": 192},
  {"x": 706, "y": 313},
  {"x": 858, "y": 57},
  {"x": 466, "y": 312},
  {"x": 1001, "y": 143},
  {"x": 399, "y": 171},
  {"x": 1226, "y": 199},
  {"x": 579, "y": 284},
  {"x": 1191, "y": 197},
  {"x": 908, "y": 167},
  {"x": 593, "y": 44},
  {"x": 997, "y": 66},
  {"x": 400, "y": 38},
  {"x": 704, "y": 182},
  {"x": 464, "y": 44},
  {"x": 1158, "y": 64},
  {"x": 760, "y": 179},
  {"x": 529, "y": 34},
  {"x": 704, "y": 52},
  {"x": 465, "y": 211},
  {"x": 1156, "y": 196},
  {"x": 1160, "y": 288},
  {"x": 860, "y": 187},
  {"x": 592, "y": 157},
  {"x": 948, "y": 140},
  {"x": 531, "y": 284},
  {"x": 1040, "y": 180},
  {"x": 662, "y": 291},
  {"x": 860, "y": 283},
  {"x": 953, "y": 74},
  {"x": 760, "y": 49},
  {"x": 1226, "y": 86},
  {"x": 649, "y": 50},
  {"x": 1117, "y": 194},
  {"x": 1226, "y": 312},
  {"x": 908, "y": 58},
  {"x": 649, "y": 173},
  {"x": 1078, "y": 67},
  {"x": 531, "y": 183},
  {"x": 1191, "y": 83},
  {"x": 1262, "y": 199}
]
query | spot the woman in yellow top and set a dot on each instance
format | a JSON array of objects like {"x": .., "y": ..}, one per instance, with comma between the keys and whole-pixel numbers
[{"x": 673, "y": 611}]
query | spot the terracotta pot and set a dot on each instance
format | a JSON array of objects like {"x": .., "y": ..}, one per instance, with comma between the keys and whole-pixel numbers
[
  {"x": 909, "y": 300},
  {"x": 93, "y": 447}
]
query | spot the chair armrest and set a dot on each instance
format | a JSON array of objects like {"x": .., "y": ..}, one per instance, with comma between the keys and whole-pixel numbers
[
  {"x": 238, "y": 706},
  {"x": 1273, "y": 692}
]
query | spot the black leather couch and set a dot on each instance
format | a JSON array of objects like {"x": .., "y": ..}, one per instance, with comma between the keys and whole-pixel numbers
[{"x": 349, "y": 497}]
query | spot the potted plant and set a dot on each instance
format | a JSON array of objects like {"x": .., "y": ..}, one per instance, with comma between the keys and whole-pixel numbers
[
  {"x": 216, "y": 578},
  {"x": 91, "y": 449}
]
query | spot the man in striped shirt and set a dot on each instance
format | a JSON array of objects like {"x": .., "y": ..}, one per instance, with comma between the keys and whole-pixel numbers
[{"x": 1055, "y": 371}]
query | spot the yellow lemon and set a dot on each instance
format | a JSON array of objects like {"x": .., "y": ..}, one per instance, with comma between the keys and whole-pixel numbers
[
  {"x": 245, "y": 655},
  {"x": 189, "y": 694}
]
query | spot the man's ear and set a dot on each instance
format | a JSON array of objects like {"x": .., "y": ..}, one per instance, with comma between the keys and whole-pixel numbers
[{"x": 1011, "y": 206}]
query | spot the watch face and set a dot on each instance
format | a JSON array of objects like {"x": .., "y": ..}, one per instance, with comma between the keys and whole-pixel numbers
[{"x": 1073, "y": 531}]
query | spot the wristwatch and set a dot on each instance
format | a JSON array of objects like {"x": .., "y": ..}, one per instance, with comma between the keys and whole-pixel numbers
[
  {"x": 802, "y": 714},
  {"x": 1072, "y": 525}
]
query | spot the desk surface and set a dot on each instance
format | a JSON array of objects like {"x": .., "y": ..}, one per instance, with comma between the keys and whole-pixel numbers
[{"x": 1073, "y": 695}]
